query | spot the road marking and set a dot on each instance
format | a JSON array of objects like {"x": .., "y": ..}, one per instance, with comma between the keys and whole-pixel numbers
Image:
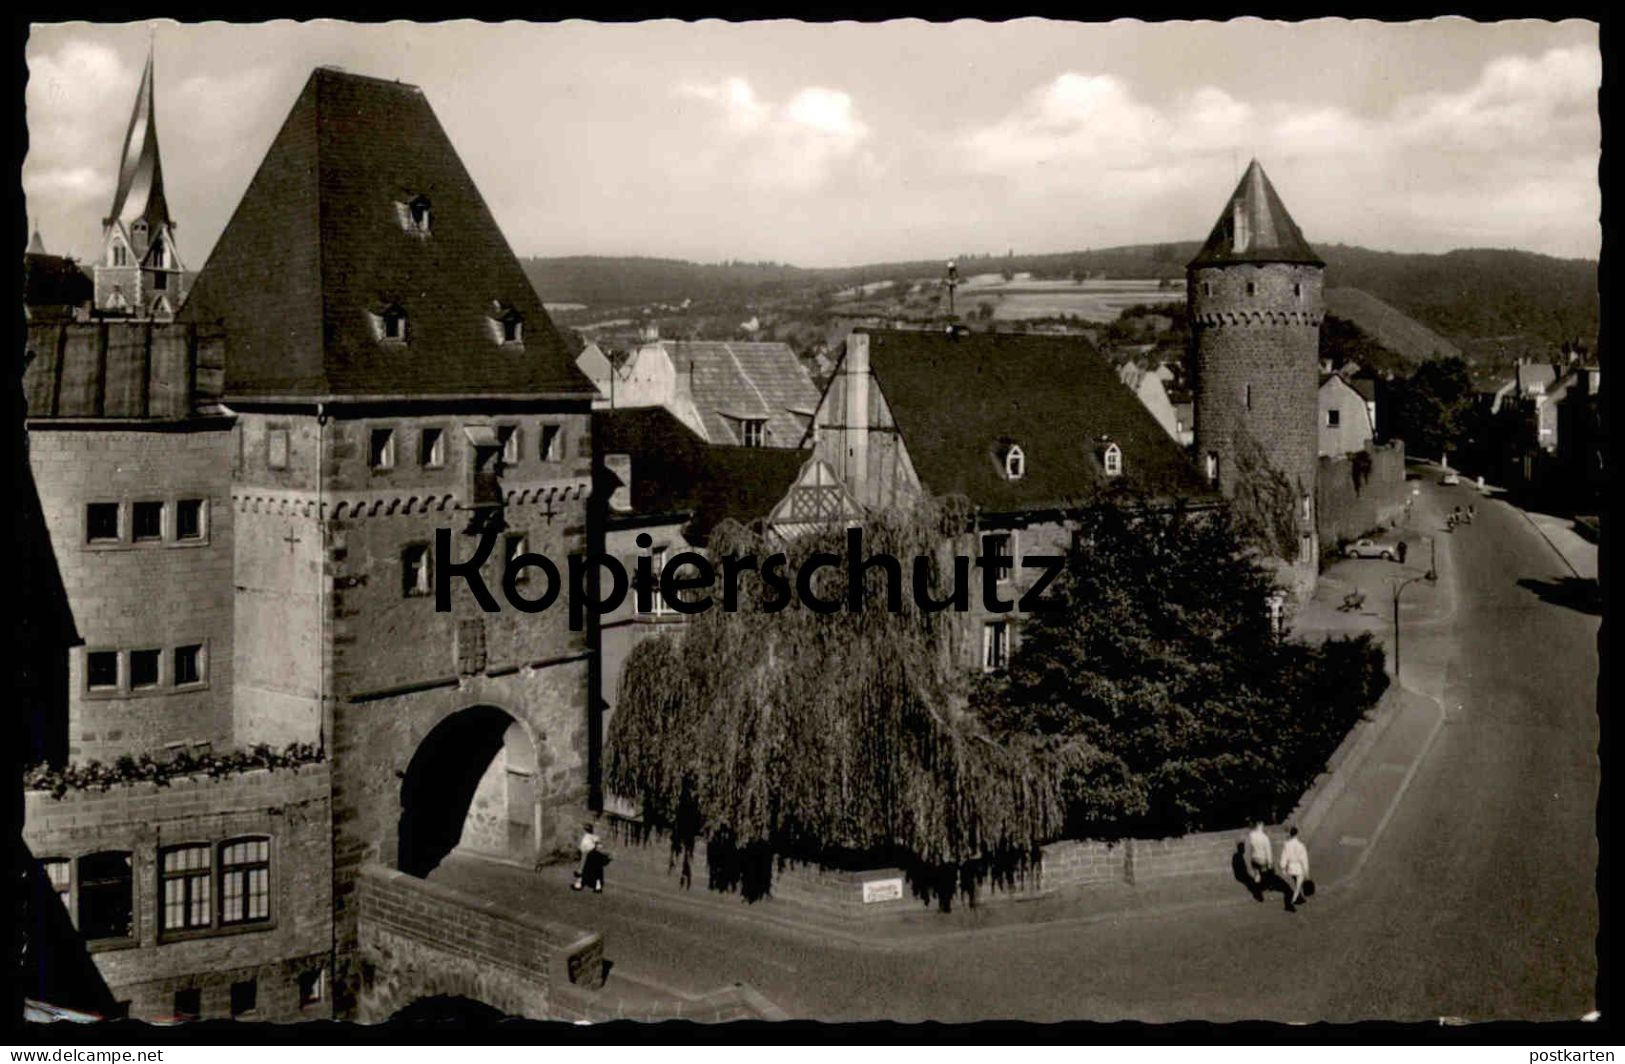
[{"x": 1353, "y": 840}]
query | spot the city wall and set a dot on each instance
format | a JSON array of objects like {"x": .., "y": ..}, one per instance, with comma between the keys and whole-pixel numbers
[{"x": 1355, "y": 493}]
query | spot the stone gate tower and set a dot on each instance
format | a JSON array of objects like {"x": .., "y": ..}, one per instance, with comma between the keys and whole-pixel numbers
[{"x": 1255, "y": 311}]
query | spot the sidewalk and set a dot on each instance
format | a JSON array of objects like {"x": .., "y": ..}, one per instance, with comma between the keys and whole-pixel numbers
[{"x": 1579, "y": 554}]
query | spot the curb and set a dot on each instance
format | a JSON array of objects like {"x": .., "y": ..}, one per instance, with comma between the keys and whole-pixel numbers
[
  {"x": 1337, "y": 779},
  {"x": 1564, "y": 558},
  {"x": 1399, "y": 795}
]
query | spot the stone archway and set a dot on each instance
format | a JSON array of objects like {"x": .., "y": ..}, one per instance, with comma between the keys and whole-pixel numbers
[{"x": 471, "y": 786}]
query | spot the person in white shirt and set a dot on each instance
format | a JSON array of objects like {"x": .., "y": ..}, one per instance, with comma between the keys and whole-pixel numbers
[
  {"x": 1294, "y": 865},
  {"x": 1260, "y": 855},
  {"x": 589, "y": 843}
]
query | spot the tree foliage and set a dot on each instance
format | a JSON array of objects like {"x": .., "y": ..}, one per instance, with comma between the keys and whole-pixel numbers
[
  {"x": 1162, "y": 655},
  {"x": 1154, "y": 698},
  {"x": 1433, "y": 410}
]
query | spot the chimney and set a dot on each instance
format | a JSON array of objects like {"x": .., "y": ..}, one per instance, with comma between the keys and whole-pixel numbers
[{"x": 854, "y": 463}]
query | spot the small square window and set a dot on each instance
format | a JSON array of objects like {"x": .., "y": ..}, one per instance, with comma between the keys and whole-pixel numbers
[
  {"x": 147, "y": 522},
  {"x": 189, "y": 664},
  {"x": 551, "y": 448},
  {"x": 513, "y": 329},
  {"x": 188, "y": 1003},
  {"x": 753, "y": 432},
  {"x": 144, "y": 668},
  {"x": 244, "y": 997},
  {"x": 276, "y": 449},
  {"x": 415, "y": 571},
  {"x": 189, "y": 519},
  {"x": 381, "y": 449},
  {"x": 392, "y": 324},
  {"x": 432, "y": 449},
  {"x": 1334, "y": 418},
  {"x": 310, "y": 987},
  {"x": 101, "y": 670},
  {"x": 101, "y": 522}
]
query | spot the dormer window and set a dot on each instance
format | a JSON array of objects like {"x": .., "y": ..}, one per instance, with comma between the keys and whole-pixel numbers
[
  {"x": 1015, "y": 463},
  {"x": 753, "y": 432},
  {"x": 416, "y": 216},
  {"x": 1112, "y": 458},
  {"x": 390, "y": 324},
  {"x": 507, "y": 324}
]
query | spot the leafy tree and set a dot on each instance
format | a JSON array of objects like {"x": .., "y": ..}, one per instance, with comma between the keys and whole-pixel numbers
[
  {"x": 1160, "y": 653},
  {"x": 1434, "y": 407}
]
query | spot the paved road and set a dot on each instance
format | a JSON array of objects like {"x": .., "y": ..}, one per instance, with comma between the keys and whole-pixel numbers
[{"x": 1478, "y": 903}]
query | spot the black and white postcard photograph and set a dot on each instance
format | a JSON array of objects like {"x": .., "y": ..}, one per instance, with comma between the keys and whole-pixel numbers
[{"x": 702, "y": 526}]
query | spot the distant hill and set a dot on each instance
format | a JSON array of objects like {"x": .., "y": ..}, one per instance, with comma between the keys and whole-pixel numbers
[
  {"x": 1389, "y": 326},
  {"x": 1488, "y": 303}
]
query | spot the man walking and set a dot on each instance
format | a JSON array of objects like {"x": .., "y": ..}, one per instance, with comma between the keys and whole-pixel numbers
[
  {"x": 1294, "y": 866},
  {"x": 1260, "y": 857},
  {"x": 588, "y": 846}
]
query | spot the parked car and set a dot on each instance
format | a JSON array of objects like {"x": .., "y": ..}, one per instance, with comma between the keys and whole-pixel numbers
[
  {"x": 1387, "y": 550},
  {"x": 1450, "y": 480}
]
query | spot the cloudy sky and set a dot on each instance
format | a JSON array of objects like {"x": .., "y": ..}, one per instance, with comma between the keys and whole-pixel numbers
[{"x": 848, "y": 143}]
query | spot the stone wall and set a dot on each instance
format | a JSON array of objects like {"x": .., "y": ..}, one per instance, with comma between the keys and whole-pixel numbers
[
  {"x": 289, "y": 806},
  {"x": 418, "y": 939},
  {"x": 1355, "y": 494},
  {"x": 131, "y": 595}
]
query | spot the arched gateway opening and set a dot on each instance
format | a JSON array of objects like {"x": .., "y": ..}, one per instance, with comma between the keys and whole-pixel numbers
[{"x": 471, "y": 786}]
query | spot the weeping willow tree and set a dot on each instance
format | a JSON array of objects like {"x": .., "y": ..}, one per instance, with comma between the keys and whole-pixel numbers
[{"x": 834, "y": 736}]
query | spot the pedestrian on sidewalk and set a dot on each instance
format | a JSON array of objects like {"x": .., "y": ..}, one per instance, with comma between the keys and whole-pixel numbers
[
  {"x": 1260, "y": 854},
  {"x": 588, "y": 846},
  {"x": 1294, "y": 866}
]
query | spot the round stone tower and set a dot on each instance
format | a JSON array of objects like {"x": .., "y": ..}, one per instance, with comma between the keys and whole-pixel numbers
[{"x": 1255, "y": 305}]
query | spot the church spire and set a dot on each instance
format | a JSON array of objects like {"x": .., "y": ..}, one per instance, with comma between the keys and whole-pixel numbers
[
  {"x": 36, "y": 243},
  {"x": 140, "y": 194}
]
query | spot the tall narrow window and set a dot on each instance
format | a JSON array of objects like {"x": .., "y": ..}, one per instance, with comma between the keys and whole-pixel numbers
[
  {"x": 551, "y": 447},
  {"x": 106, "y": 895},
  {"x": 186, "y": 875},
  {"x": 657, "y": 562},
  {"x": 1247, "y": 396},
  {"x": 415, "y": 571},
  {"x": 245, "y": 881},
  {"x": 513, "y": 546},
  {"x": 381, "y": 449},
  {"x": 432, "y": 449},
  {"x": 419, "y": 215},
  {"x": 276, "y": 449},
  {"x": 1001, "y": 547},
  {"x": 1213, "y": 467},
  {"x": 508, "y": 437},
  {"x": 995, "y": 646},
  {"x": 392, "y": 324},
  {"x": 1252, "y": 288},
  {"x": 1334, "y": 417},
  {"x": 513, "y": 328},
  {"x": 1015, "y": 463}
]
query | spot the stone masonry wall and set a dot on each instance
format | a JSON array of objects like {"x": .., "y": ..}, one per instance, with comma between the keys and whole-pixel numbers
[
  {"x": 1346, "y": 510},
  {"x": 288, "y": 805},
  {"x": 419, "y": 939},
  {"x": 130, "y": 595}
]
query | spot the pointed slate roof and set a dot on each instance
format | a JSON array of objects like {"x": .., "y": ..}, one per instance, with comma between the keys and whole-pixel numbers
[
  {"x": 324, "y": 243},
  {"x": 140, "y": 192},
  {"x": 1255, "y": 227},
  {"x": 36, "y": 243}
]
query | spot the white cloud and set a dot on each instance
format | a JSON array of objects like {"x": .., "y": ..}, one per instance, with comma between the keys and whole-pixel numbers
[
  {"x": 1510, "y": 158},
  {"x": 797, "y": 145}
]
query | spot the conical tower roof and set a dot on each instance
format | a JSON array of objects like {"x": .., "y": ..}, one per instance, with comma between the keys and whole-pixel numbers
[
  {"x": 36, "y": 243},
  {"x": 140, "y": 192},
  {"x": 1255, "y": 227}
]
